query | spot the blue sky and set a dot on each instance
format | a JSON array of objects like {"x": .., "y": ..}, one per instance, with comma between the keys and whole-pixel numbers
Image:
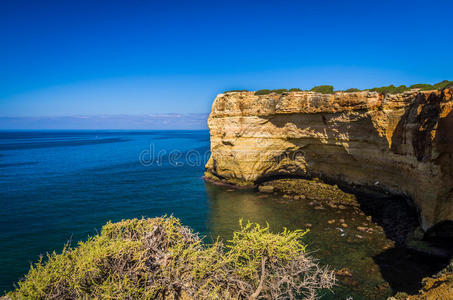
[{"x": 65, "y": 58}]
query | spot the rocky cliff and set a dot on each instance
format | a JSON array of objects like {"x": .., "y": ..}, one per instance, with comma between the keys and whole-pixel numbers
[{"x": 401, "y": 144}]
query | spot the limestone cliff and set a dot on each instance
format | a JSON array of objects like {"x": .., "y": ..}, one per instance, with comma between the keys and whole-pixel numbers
[{"x": 400, "y": 143}]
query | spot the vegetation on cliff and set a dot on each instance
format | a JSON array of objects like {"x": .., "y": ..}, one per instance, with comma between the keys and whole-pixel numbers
[
  {"x": 266, "y": 92},
  {"x": 263, "y": 92},
  {"x": 390, "y": 89},
  {"x": 323, "y": 89},
  {"x": 351, "y": 90},
  {"x": 159, "y": 258},
  {"x": 279, "y": 91}
]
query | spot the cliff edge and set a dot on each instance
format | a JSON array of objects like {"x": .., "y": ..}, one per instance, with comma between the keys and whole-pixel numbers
[{"x": 398, "y": 143}]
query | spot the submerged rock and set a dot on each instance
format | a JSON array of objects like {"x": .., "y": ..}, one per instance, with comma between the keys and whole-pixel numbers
[
  {"x": 344, "y": 272},
  {"x": 266, "y": 189},
  {"x": 300, "y": 189}
]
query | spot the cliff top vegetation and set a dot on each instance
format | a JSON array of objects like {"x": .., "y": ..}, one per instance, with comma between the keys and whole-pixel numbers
[{"x": 391, "y": 89}]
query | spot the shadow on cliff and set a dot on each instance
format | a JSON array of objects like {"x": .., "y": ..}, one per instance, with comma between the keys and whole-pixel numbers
[
  {"x": 394, "y": 213},
  {"x": 423, "y": 113},
  {"x": 414, "y": 136},
  {"x": 402, "y": 267}
]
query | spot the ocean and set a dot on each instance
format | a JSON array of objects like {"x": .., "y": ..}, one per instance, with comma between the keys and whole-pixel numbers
[{"x": 60, "y": 187}]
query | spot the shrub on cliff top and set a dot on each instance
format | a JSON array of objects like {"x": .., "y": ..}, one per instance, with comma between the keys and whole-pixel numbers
[
  {"x": 323, "y": 89},
  {"x": 391, "y": 89},
  {"x": 351, "y": 90},
  {"x": 263, "y": 92},
  {"x": 280, "y": 91},
  {"x": 443, "y": 84},
  {"x": 159, "y": 259},
  {"x": 423, "y": 86}
]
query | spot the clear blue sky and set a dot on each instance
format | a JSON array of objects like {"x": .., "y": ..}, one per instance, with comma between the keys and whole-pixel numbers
[{"x": 61, "y": 58}]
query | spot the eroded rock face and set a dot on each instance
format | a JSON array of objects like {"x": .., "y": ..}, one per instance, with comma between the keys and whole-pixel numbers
[{"x": 399, "y": 143}]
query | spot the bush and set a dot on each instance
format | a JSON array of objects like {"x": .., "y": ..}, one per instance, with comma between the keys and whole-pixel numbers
[
  {"x": 443, "y": 84},
  {"x": 391, "y": 89},
  {"x": 280, "y": 91},
  {"x": 324, "y": 89},
  {"x": 159, "y": 258},
  {"x": 423, "y": 86},
  {"x": 263, "y": 92}
]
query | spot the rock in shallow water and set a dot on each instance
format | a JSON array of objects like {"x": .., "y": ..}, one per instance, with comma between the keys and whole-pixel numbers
[{"x": 266, "y": 189}]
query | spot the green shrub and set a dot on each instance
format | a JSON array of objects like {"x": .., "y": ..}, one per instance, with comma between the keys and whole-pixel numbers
[
  {"x": 391, "y": 89},
  {"x": 399, "y": 89},
  {"x": 423, "y": 86},
  {"x": 443, "y": 84},
  {"x": 351, "y": 90},
  {"x": 324, "y": 89},
  {"x": 263, "y": 92},
  {"x": 280, "y": 91},
  {"x": 161, "y": 259}
]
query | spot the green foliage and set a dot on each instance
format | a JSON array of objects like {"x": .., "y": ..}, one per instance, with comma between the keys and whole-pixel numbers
[
  {"x": 159, "y": 258},
  {"x": 253, "y": 242},
  {"x": 391, "y": 89},
  {"x": 324, "y": 89},
  {"x": 106, "y": 266},
  {"x": 280, "y": 91},
  {"x": 423, "y": 86},
  {"x": 263, "y": 92},
  {"x": 443, "y": 84}
]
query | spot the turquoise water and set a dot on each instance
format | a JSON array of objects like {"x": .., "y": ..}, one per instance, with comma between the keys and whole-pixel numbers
[
  {"x": 60, "y": 186},
  {"x": 57, "y": 186}
]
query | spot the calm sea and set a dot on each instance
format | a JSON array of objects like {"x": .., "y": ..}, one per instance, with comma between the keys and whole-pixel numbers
[
  {"x": 60, "y": 186},
  {"x": 57, "y": 186}
]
